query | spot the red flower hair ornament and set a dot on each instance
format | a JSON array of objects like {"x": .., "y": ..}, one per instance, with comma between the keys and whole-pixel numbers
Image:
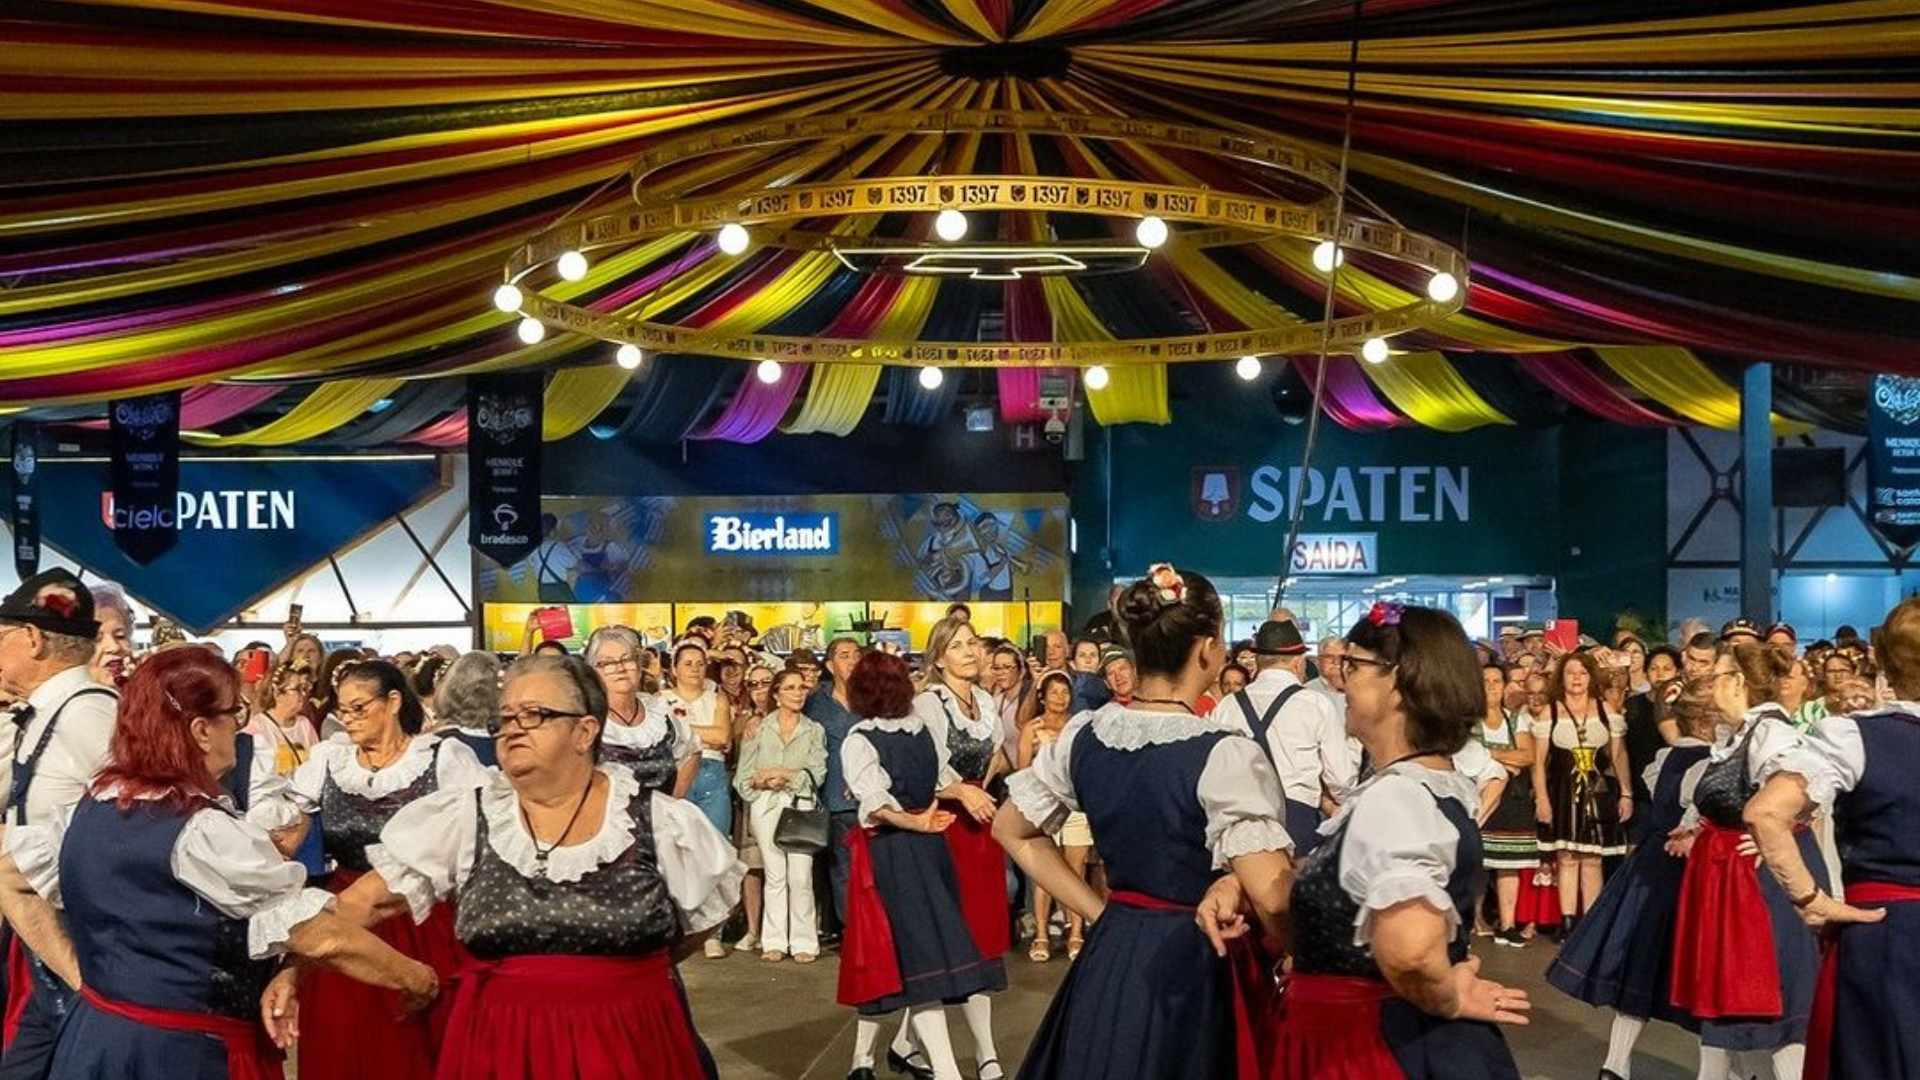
[
  {"x": 1168, "y": 585},
  {"x": 1385, "y": 613}
]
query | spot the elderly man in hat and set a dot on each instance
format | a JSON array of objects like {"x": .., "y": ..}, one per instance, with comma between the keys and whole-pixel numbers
[
  {"x": 59, "y": 740},
  {"x": 1302, "y": 733}
]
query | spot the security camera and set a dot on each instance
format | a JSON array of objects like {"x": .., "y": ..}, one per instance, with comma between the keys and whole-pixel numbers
[{"x": 1056, "y": 428}]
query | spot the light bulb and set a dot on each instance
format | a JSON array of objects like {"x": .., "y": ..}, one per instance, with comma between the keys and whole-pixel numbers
[
  {"x": 1096, "y": 378},
  {"x": 1151, "y": 232},
  {"x": 1247, "y": 367},
  {"x": 768, "y": 371},
  {"x": 572, "y": 265},
  {"x": 628, "y": 356},
  {"x": 1374, "y": 350},
  {"x": 950, "y": 225},
  {"x": 931, "y": 378},
  {"x": 507, "y": 297},
  {"x": 531, "y": 331},
  {"x": 1443, "y": 287},
  {"x": 1327, "y": 255},
  {"x": 734, "y": 239}
]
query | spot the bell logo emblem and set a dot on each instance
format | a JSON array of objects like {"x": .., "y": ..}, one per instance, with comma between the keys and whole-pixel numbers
[{"x": 1216, "y": 492}]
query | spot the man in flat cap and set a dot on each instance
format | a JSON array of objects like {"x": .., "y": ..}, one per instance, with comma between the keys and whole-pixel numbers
[
  {"x": 58, "y": 741},
  {"x": 1302, "y": 733}
]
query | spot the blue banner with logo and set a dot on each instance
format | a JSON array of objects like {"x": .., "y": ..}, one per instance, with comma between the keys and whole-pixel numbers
[
  {"x": 246, "y": 527},
  {"x": 25, "y": 518},
  {"x": 144, "y": 433},
  {"x": 1893, "y": 459},
  {"x": 503, "y": 464}
]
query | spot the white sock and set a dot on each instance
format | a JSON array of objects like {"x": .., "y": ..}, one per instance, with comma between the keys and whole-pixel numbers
[
  {"x": 1626, "y": 1031},
  {"x": 930, "y": 1030},
  {"x": 1789, "y": 1060},
  {"x": 979, "y": 1013},
  {"x": 865, "y": 1033},
  {"x": 903, "y": 1041},
  {"x": 1715, "y": 1063}
]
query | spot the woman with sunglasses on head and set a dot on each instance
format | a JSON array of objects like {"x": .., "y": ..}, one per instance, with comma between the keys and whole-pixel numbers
[
  {"x": 658, "y": 747},
  {"x": 1048, "y": 709},
  {"x": 280, "y": 728},
  {"x": 357, "y": 781},
  {"x": 174, "y": 905},
  {"x": 1381, "y": 914},
  {"x": 1742, "y": 961},
  {"x": 576, "y": 891},
  {"x": 1175, "y": 799}
]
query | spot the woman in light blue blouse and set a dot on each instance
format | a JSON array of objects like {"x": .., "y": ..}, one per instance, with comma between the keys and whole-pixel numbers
[{"x": 781, "y": 765}]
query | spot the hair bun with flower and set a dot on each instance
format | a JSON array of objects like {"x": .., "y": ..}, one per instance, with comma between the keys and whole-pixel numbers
[
  {"x": 1167, "y": 583},
  {"x": 1385, "y": 613}
]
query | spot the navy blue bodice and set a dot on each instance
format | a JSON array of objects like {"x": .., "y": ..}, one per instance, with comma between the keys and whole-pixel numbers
[
  {"x": 1725, "y": 787},
  {"x": 140, "y": 935},
  {"x": 479, "y": 742},
  {"x": 966, "y": 755},
  {"x": 1665, "y": 812},
  {"x": 1324, "y": 915},
  {"x": 1144, "y": 806},
  {"x": 654, "y": 766},
  {"x": 912, "y": 763},
  {"x": 350, "y": 824},
  {"x": 1877, "y": 824}
]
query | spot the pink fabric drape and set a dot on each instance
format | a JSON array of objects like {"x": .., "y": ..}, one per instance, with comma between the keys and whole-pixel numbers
[
  {"x": 1349, "y": 399},
  {"x": 1571, "y": 378},
  {"x": 1028, "y": 319}
]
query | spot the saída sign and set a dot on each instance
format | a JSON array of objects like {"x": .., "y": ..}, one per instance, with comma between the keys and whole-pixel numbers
[{"x": 245, "y": 527}]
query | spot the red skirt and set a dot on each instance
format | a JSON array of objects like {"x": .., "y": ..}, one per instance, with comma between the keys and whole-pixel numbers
[
  {"x": 19, "y": 985},
  {"x": 869, "y": 967},
  {"x": 980, "y": 866},
  {"x": 1820, "y": 1024},
  {"x": 1537, "y": 905},
  {"x": 352, "y": 1031},
  {"x": 250, "y": 1055},
  {"x": 552, "y": 1017},
  {"x": 1329, "y": 1029},
  {"x": 1723, "y": 953}
]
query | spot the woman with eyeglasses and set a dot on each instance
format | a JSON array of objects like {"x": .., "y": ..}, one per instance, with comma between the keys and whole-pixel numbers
[
  {"x": 357, "y": 781},
  {"x": 1382, "y": 985},
  {"x": 781, "y": 765},
  {"x": 640, "y": 735},
  {"x": 175, "y": 907},
  {"x": 576, "y": 891},
  {"x": 690, "y": 699},
  {"x": 1743, "y": 963},
  {"x": 1175, "y": 799},
  {"x": 280, "y": 728},
  {"x": 758, "y": 688}
]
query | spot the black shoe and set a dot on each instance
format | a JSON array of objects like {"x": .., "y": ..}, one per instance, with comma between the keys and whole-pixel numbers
[
  {"x": 830, "y": 940},
  {"x": 994, "y": 1064},
  {"x": 861, "y": 1074},
  {"x": 906, "y": 1066},
  {"x": 1510, "y": 937},
  {"x": 1609, "y": 1074}
]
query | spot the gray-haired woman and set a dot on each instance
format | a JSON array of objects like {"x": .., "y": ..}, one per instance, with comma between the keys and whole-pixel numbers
[
  {"x": 113, "y": 650},
  {"x": 468, "y": 700}
]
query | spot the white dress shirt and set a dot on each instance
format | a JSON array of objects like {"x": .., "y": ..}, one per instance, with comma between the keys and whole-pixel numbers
[
  {"x": 79, "y": 745},
  {"x": 1308, "y": 739}
]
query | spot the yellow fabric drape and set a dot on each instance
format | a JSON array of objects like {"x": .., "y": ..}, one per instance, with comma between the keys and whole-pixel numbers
[
  {"x": 576, "y": 395},
  {"x": 838, "y": 394},
  {"x": 1677, "y": 379},
  {"x": 328, "y": 407},
  {"x": 1135, "y": 393},
  {"x": 1428, "y": 388}
]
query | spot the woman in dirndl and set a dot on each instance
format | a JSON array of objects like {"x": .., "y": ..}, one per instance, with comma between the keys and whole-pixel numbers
[
  {"x": 176, "y": 906},
  {"x": 357, "y": 781},
  {"x": 1176, "y": 798},
  {"x": 1863, "y": 768},
  {"x": 1508, "y": 836},
  {"x": 575, "y": 892},
  {"x": 964, "y": 720},
  {"x": 1382, "y": 987},
  {"x": 660, "y": 749},
  {"x": 1621, "y": 955},
  {"x": 1743, "y": 962},
  {"x": 1579, "y": 792},
  {"x": 906, "y": 946}
]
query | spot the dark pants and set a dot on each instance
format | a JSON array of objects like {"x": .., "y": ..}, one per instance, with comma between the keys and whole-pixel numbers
[
  {"x": 30, "y": 1055},
  {"x": 833, "y": 871}
]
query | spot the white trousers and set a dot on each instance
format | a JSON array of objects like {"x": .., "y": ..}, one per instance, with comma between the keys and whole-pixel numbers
[{"x": 786, "y": 914}]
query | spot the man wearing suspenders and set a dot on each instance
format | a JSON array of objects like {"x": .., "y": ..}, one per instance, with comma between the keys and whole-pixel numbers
[
  {"x": 1302, "y": 732},
  {"x": 58, "y": 741}
]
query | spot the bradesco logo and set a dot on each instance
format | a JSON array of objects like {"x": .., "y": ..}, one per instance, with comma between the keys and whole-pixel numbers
[
  {"x": 249, "y": 510},
  {"x": 773, "y": 534}
]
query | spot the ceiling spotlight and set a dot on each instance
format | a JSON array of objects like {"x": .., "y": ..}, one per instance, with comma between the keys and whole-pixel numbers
[
  {"x": 1096, "y": 377},
  {"x": 950, "y": 225},
  {"x": 628, "y": 356},
  {"x": 532, "y": 331},
  {"x": 931, "y": 378},
  {"x": 507, "y": 297},
  {"x": 572, "y": 265},
  {"x": 768, "y": 371},
  {"x": 1442, "y": 287},
  {"x": 1327, "y": 255},
  {"x": 1247, "y": 367},
  {"x": 734, "y": 239},
  {"x": 1151, "y": 232},
  {"x": 1374, "y": 350}
]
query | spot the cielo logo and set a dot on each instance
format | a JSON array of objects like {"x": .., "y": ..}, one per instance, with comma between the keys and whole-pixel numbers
[{"x": 773, "y": 534}]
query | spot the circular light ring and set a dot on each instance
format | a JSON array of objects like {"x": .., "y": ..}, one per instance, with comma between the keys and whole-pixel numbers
[{"x": 1267, "y": 217}]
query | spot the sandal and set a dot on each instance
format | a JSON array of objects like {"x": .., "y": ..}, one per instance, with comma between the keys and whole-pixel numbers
[
  {"x": 773, "y": 956},
  {"x": 804, "y": 958},
  {"x": 1074, "y": 945},
  {"x": 1041, "y": 952}
]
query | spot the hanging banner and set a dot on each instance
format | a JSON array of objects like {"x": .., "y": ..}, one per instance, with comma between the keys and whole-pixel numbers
[
  {"x": 503, "y": 464},
  {"x": 145, "y": 441},
  {"x": 26, "y": 508},
  {"x": 1893, "y": 459}
]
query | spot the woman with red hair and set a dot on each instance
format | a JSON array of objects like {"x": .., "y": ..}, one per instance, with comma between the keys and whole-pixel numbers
[{"x": 176, "y": 905}]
